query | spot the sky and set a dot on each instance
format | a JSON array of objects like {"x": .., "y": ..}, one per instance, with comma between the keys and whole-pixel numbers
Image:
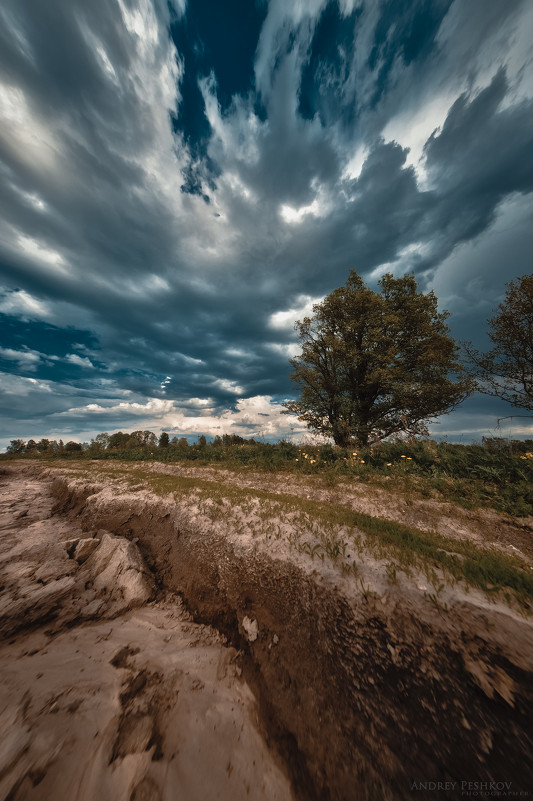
[{"x": 180, "y": 181}]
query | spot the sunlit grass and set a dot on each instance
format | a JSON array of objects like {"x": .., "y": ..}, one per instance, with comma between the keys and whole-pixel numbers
[
  {"x": 497, "y": 475},
  {"x": 334, "y": 533}
]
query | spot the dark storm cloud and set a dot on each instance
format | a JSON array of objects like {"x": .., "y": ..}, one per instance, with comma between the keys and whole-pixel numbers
[
  {"x": 218, "y": 39},
  {"x": 327, "y": 69},
  {"x": 405, "y": 30},
  {"x": 122, "y": 118},
  {"x": 482, "y": 154}
]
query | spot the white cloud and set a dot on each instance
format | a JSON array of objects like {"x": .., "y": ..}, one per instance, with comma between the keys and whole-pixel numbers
[
  {"x": 292, "y": 215},
  {"x": 23, "y": 133},
  {"x": 25, "y": 359},
  {"x": 153, "y": 407},
  {"x": 20, "y": 386},
  {"x": 228, "y": 386},
  {"x": 285, "y": 320},
  {"x": 32, "y": 198},
  {"x": 290, "y": 350},
  {"x": 20, "y": 303},
  {"x": 256, "y": 416},
  {"x": 80, "y": 361},
  {"x": 42, "y": 253},
  {"x": 412, "y": 127},
  {"x": 354, "y": 165}
]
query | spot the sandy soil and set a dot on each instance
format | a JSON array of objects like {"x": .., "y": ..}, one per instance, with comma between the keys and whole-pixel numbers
[
  {"x": 486, "y": 527},
  {"x": 109, "y": 690},
  {"x": 351, "y": 687}
]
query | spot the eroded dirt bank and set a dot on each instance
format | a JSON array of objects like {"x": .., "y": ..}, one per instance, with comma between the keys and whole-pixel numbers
[
  {"x": 109, "y": 690},
  {"x": 363, "y": 688}
]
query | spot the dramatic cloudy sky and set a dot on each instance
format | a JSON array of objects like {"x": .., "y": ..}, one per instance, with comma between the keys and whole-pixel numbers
[{"x": 180, "y": 181}]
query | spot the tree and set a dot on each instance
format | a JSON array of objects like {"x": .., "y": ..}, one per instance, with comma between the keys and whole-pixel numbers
[
  {"x": 135, "y": 440},
  {"x": 118, "y": 440},
  {"x": 164, "y": 440},
  {"x": 149, "y": 439},
  {"x": 142, "y": 439},
  {"x": 375, "y": 364},
  {"x": 100, "y": 442},
  {"x": 16, "y": 446},
  {"x": 506, "y": 371}
]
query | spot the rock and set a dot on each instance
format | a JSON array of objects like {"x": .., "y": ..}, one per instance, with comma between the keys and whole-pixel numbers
[
  {"x": 146, "y": 790},
  {"x": 119, "y": 573},
  {"x": 93, "y": 608},
  {"x": 44, "y": 597},
  {"x": 53, "y": 564},
  {"x": 251, "y": 628},
  {"x": 70, "y": 545},
  {"x": 35, "y": 604},
  {"x": 84, "y": 549}
]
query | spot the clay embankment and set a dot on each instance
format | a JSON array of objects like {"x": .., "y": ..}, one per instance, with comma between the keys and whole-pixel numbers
[
  {"x": 109, "y": 690},
  {"x": 362, "y": 689}
]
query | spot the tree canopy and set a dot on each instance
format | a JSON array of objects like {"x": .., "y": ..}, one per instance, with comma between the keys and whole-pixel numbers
[
  {"x": 374, "y": 364},
  {"x": 506, "y": 371}
]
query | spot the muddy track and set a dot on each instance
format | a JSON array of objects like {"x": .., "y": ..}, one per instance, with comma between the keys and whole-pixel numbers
[{"x": 363, "y": 696}]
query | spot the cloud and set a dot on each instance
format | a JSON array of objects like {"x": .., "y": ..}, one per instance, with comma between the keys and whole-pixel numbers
[
  {"x": 154, "y": 407},
  {"x": 258, "y": 416},
  {"x": 372, "y": 136},
  {"x": 81, "y": 361},
  {"x": 20, "y": 303},
  {"x": 287, "y": 319},
  {"x": 25, "y": 358}
]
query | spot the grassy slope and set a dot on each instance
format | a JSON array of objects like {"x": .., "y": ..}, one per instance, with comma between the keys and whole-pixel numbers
[
  {"x": 325, "y": 530},
  {"x": 498, "y": 474}
]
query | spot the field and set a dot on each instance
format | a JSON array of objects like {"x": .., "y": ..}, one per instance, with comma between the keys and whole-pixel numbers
[
  {"x": 375, "y": 607},
  {"x": 497, "y": 474}
]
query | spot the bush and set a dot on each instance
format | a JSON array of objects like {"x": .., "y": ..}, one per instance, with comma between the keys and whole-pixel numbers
[{"x": 73, "y": 447}]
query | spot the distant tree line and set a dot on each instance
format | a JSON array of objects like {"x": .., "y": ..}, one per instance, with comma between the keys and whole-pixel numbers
[
  {"x": 134, "y": 444},
  {"x": 19, "y": 447}
]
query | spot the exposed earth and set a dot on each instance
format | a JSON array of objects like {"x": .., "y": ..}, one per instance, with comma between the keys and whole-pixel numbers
[{"x": 186, "y": 645}]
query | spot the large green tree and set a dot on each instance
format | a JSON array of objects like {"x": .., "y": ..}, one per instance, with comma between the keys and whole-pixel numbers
[
  {"x": 375, "y": 364},
  {"x": 506, "y": 371}
]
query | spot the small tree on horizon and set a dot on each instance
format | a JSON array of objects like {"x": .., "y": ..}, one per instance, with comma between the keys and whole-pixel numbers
[
  {"x": 506, "y": 371},
  {"x": 374, "y": 364}
]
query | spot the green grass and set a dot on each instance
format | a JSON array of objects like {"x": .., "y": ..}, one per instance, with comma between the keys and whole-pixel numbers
[
  {"x": 497, "y": 475},
  {"x": 330, "y": 531}
]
